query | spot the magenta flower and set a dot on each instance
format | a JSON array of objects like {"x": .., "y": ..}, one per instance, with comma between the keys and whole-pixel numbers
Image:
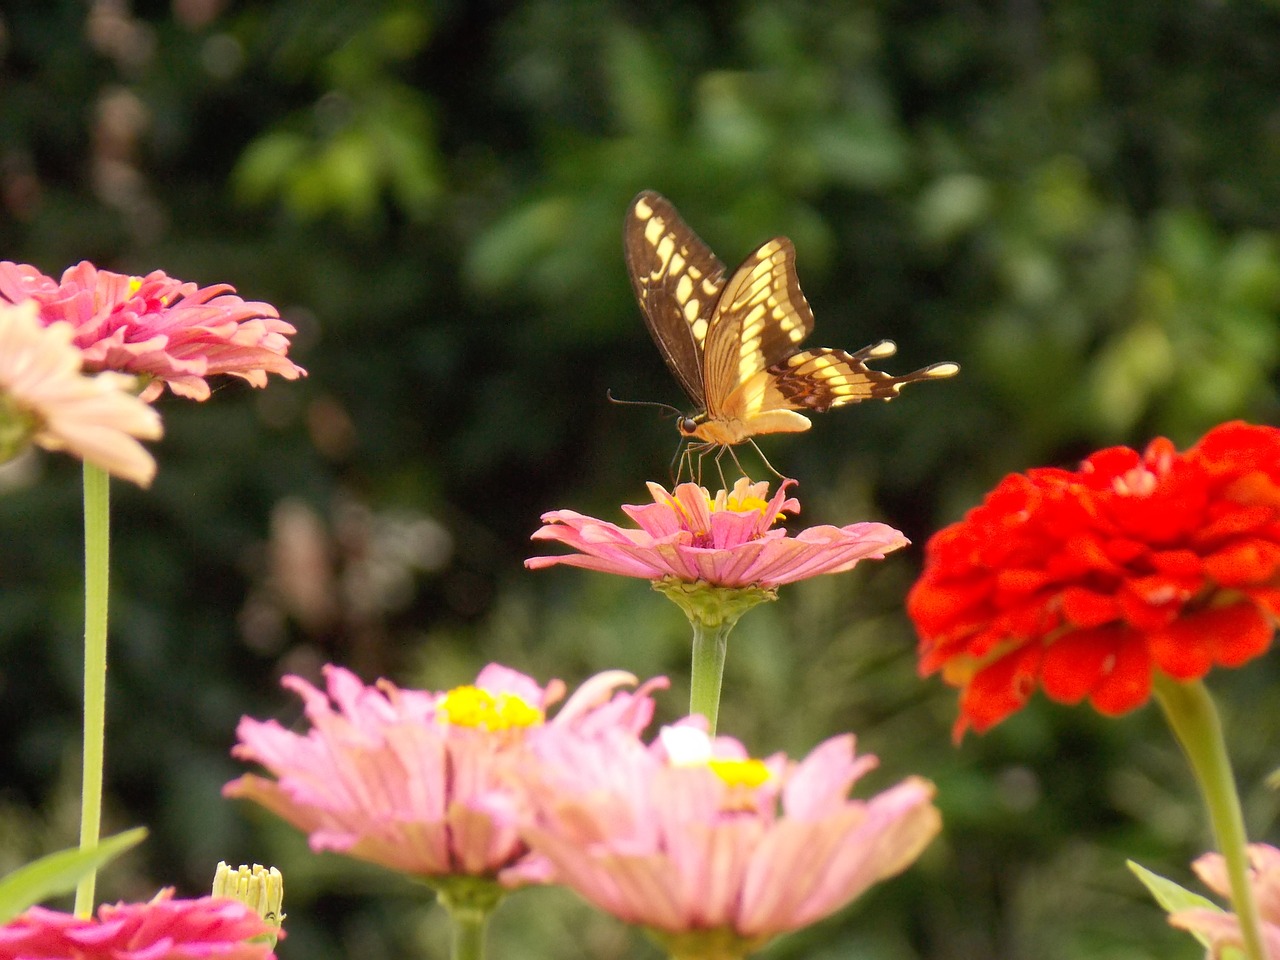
[
  {"x": 211, "y": 928},
  {"x": 46, "y": 400},
  {"x": 157, "y": 327},
  {"x": 711, "y": 851},
  {"x": 1222, "y": 929},
  {"x": 728, "y": 540},
  {"x": 417, "y": 781}
]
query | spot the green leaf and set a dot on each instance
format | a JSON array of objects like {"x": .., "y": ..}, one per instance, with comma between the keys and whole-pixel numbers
[
  {"x": 1172, "y": 897},
  {"x": 59, "y": 872}
]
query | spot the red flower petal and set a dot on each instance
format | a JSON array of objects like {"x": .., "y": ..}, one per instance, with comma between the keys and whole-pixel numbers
[
  {"x": 1127, "y": 685},
  {"x": 997, "y": 691},
  {"x": 1076, "y": 663}
]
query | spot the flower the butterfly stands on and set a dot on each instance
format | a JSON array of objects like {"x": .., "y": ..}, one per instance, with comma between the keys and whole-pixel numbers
[{"x": 734, "y": 343}]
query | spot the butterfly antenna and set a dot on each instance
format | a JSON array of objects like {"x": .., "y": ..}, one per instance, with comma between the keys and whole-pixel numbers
[
  {"x": 764, "y": 459},
  {"x": 643, "y": 403}
]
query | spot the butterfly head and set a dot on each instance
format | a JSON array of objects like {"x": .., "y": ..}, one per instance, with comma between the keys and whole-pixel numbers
[{"x": 689, "y": 426}]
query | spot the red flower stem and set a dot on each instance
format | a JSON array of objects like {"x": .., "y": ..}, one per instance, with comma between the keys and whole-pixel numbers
[
  {"x": 97, "y": 551},
  {"x": 1194, "y": 720},
  {"x": 710, "y": 645}
]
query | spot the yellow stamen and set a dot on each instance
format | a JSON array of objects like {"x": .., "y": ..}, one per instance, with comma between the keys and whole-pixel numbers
[{"x": 473, "y": 707}]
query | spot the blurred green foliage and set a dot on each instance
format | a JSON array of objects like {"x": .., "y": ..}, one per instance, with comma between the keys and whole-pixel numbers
[{"x": 1076, "y": 201}]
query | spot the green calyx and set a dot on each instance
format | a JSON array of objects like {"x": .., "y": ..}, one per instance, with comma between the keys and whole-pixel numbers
[
  {"x": 717, "y": 944},
  {"x": 711, "y": 606}
]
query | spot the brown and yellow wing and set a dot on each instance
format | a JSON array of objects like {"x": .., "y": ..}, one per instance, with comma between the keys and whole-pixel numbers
[
  {"x": 826, "y": 377},
  {"x": 677, "y": 282},
  {"x": 761, "y": 317}
]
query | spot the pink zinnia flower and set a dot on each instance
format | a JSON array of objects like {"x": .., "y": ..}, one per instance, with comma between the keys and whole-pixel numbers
[
  {"x": 1222, "y": 929},
  {"x": 211, "y": 928},
  {"x": 420, "y": 781},
  {"x": 45, "y": 399},
  {"x": 157, "y": 327},
  {"x": 711, "y": 851},
  {"x": 728, "y": 540}
]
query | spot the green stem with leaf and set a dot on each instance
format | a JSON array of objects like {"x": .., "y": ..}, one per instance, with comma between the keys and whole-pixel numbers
[{"x": 1193, "y": 717}]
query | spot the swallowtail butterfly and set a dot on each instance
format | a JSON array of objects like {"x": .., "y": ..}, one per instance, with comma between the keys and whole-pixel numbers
[{"x": 734, "y": 344}]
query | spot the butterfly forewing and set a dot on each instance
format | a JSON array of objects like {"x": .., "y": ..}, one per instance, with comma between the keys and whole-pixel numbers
[
  {"x": 677, "y": 281},
  {"x": 761, "y": 318}
]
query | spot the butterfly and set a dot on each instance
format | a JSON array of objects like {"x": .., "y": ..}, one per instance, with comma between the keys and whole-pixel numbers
[{"x": 734, "y": 344}]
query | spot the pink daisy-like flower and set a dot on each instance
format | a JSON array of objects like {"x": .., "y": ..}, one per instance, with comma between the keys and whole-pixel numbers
[
  {"x": 728, "y": 540},
  {"x": 157, "y": 327},
  {"x": 45, "y": 399},
  {"x": 713, "y": 852},
  {"x": 420, "y": 781},
  {"x": 1222, "y": 929},
  {"x": 210, "y": 928}
]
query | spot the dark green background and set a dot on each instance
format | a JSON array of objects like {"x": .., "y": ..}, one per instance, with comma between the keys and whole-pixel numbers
[{"x": 1076, "y": 201}]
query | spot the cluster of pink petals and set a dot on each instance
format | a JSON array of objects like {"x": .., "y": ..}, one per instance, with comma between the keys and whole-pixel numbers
[
  {"x": 94, "y": 418},
  {"x": 163, "y": 929},
  {"x": 1222, "y": 929},
  {"x": 727, "y": 541},
  {"x": 385, "y": 775},
  {"x": 157, "y": 327},
  {"x": 679, "y": 849}
]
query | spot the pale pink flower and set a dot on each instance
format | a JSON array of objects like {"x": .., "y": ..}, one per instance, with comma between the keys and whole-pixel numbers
[
  {"x": 211, "y": 928},
  {"x": 712, "y": 852},
  {"x": 728, "y": 540},
  {"x": 1222, "y": 929},
  {"x": 158, "y": 328},
  {"x": 419, "y": 781},
  {"x": 45, "y": 399}
]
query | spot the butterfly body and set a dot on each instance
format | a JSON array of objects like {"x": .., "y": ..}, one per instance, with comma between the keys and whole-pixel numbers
[{"x": 734, "y": 344}]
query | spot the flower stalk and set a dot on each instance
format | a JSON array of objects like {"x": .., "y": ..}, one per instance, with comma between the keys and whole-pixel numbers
[
  {"x": 713, "y": 612},
  {"x": 97, "y": 550},
  {"x": 470, "y": 902},
  {"x": 710, "y": 644},
  {"x": 1194, "y": 719}
]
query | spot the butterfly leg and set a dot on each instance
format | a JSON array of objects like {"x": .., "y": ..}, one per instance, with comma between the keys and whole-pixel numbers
[{"x": 764, "y": 459}]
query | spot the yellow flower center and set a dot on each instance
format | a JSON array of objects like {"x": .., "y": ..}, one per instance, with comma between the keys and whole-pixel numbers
[
  {"x": 740, "y": 773},
  {"x": 745, "y": 497},
  {"x": 135, "y": 284},
  {"x": 473, "y": 707}
]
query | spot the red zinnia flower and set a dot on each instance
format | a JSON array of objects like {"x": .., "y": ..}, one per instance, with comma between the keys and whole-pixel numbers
[
  {"x": 1086, "y": 582},
  {"x": 158, "y": 327}
]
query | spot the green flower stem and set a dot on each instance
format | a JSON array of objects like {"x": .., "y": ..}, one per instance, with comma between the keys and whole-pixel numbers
[
  {"x": 97, "y": 551},
  {"x": 470, "y": 901},
  {"x": 1194, "y": 720},
  {"x": 710, "y": 645},
  {"x": 712, "y": 611},
  {"x": 468, "y": 934}
]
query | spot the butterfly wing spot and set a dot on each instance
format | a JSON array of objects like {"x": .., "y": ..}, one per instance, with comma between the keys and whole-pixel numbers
[{"x": 825, "y": 378}]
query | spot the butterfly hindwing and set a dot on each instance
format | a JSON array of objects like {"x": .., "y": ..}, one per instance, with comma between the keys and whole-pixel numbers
[
  {"x": 827, "y": 377},
  {"x": 677, "y": 281}
]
